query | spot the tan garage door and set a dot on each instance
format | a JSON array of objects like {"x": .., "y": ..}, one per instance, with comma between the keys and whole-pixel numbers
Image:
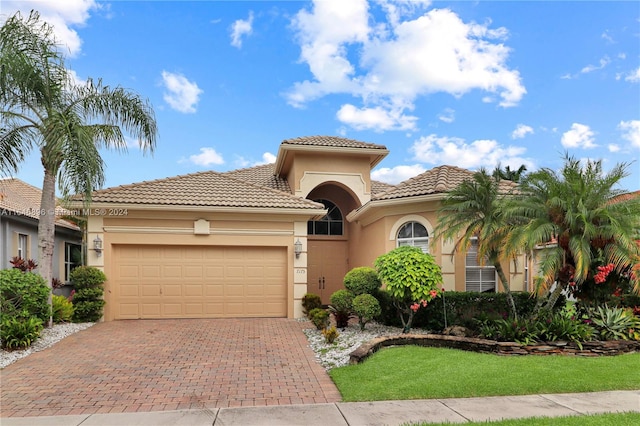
[{"x": 198, "y": 282}]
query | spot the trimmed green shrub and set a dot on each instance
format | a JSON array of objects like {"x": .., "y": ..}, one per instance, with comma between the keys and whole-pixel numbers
[
  {"x": 341, "y": 307},
  {"x": 319, "y": 317},
  {"x": 462, "y": 308},
  {"x": 367, "y": 308},
  {"x": 87, "y": 300},
  {"x": 19, "y": 333},
  {"x": 88, "y": 294},
  {"x": 62, "y": 309},
  {"x": 310, "y": 302},
  {"x": 412, "y": 278},
  {"x": 87, "y": 277},
  {"x": 362, "y": 280},
  {"x": 23, "y": 295}
]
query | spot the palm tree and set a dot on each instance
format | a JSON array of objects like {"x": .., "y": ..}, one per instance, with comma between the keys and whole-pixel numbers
[
  {"x": 473, "y": 210},
  {"x": 508, "y": 174},
  {"x": 41, "y": 108},
  {"x": 572, "y": 215}
]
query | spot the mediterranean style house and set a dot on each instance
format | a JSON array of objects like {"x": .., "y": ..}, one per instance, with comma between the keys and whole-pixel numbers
[
  {"x": 252, "y": 242},
  {"x": 19, "y": 213}
]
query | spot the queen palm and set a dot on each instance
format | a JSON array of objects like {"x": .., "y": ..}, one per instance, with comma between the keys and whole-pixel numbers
[
  {"x": 471, "y": 211},
  {"x": 43, "y": 109},
  {"x": 576, "y": 215}
]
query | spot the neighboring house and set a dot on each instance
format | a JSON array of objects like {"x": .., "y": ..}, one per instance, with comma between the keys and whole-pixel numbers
[
  {"x": 19, "y": 213},
  {"x": 252, "y": 242}
]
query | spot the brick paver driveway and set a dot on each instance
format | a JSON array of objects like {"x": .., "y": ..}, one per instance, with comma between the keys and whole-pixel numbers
[{"x": 157, "y": 365}]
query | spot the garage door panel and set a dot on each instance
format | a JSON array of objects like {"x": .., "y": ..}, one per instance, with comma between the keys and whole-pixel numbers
[
  {"x": 214, "y": 290},
  {"x": 150, "y": 309},
  {"x": 199, "y": 282},
  {"x": 150, "y": 290}
]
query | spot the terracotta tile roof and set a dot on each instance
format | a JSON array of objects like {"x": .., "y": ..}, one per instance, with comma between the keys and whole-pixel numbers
[
  {"x": 211, "y": 189},
  {"x": 626, "y": 197},
  {"x": 261, "y": 175},
  {"x": 380, "y": 187},
  {"x": 440, "y": 179},
  {"x": 331, "y": 141},
  {"x": 23, "y": 199}
]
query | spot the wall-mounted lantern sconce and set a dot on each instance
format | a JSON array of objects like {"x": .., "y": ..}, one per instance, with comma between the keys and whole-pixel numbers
[
  {"x": 97, "y": 246},
  {"x": 297, "y": 248}
]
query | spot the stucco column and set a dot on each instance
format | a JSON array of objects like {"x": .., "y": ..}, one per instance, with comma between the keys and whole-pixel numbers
[{"x": 299, "y": 268}]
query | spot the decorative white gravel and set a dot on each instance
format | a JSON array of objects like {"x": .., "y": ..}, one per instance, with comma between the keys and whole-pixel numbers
[
  {"x": 337, "y": 353},
  {"x": 48, "y": 337},
  {"x": 328, "y": 355}
]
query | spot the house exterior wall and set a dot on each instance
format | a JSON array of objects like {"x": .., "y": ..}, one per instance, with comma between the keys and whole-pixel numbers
[
  {"x": 309, "y": 170},
  {"x": 375, "y": 234},
  {"x": 13, "y": 225},
  {"x": 177, "y": 228}
]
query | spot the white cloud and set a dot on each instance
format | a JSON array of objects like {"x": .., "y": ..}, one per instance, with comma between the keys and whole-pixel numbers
[
  {"x": 61, "y": 15},
  {"x": 613, "y": 147},
  {"x": 480, "y": 153},
  {"x": 448, "y": 115},
  {"x": 633, "y": 76},
  {"x": 377, "y": 118},
  {"x": 631, "y": 132},
  {"x": 521, "y": 131},
  {"x": 396, "y": 174},
  {"x": 268, "y": 158},
  {"x": 605, "y": 35},
  {"x": 207, "y": 157},
  {"x": 181, "y": 94},
  {"x": 389, "y": 64},
  {"x": 580, "y": 136},
  {"x": 241, "y": 28},
  {"x": 602, "y": 63}
]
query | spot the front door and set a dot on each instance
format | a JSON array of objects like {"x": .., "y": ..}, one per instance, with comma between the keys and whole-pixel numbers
[{"x": 327, "y": 264}]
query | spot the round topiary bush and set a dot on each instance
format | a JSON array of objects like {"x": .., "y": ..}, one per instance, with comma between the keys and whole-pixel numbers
[
  {"x": 310, "y": 301},
  {"x": 87, "y": 300},
  {"x": 362, "y": 280},
  {"x": 367, "y": 308},
  {"x": 341, "y": 307},
  {"x": 319, "y": 317},
  {"x": 87, "y": 277}
]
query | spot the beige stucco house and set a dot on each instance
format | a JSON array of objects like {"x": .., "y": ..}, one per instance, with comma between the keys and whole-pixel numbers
[{"x": 252, "y": 242}]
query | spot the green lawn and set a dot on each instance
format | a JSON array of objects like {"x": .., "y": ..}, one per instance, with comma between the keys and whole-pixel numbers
[
  {"x": 616, "y": 419},
  {"x": 412, "y": 372}
]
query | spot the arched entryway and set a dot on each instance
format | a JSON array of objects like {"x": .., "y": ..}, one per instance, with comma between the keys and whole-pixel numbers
[{"x": 328, "y": 241}]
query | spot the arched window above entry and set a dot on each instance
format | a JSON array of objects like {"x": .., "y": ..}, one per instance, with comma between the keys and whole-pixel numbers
[
  {"x": 330, "y": 224},
  {"x": 413, "y": 234}
]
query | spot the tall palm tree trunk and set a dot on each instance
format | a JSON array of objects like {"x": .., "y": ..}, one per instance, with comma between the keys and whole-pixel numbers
[
  {"x": 46, "y": 231},
  {"x": 506, "y": 288}
]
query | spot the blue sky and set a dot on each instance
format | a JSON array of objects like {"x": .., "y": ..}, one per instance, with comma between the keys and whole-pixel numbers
[{"x": 469, "y": 84}]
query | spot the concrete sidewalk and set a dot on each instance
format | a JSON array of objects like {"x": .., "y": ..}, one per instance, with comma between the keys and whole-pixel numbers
[{"x": 455, "y": 410}]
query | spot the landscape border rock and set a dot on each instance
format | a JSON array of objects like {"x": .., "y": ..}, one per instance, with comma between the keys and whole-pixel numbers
[{"x": 589, "y": 349}]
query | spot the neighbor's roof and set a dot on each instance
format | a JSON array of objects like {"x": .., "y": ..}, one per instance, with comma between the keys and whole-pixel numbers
[
  {"x": 206, "y": 189},
  {"x": 440, "y": 179},
  {"x": 331, "y": 141},
  {"x": 23, "y": 199},
  {"x": 626, "y": 197}
]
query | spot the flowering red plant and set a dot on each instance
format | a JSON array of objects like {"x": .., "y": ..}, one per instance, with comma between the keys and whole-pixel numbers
[{"x": 603, "y": 273}]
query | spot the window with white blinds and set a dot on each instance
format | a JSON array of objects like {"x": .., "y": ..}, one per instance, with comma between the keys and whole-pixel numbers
[
  {"x": 413, "y": 234},
  {"x": 478, "y": 278}
]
